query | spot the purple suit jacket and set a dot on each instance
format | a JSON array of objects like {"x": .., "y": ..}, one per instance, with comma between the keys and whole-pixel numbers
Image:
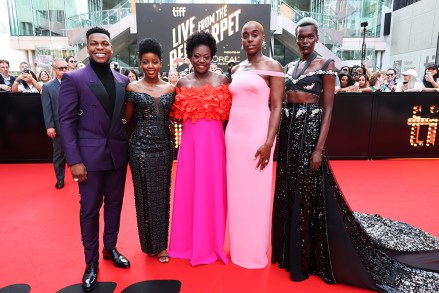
[{"x": 90, "y": 135}]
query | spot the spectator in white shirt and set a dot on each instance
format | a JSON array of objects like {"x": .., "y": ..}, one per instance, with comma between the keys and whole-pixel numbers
[{"x": 409, "y": 82}]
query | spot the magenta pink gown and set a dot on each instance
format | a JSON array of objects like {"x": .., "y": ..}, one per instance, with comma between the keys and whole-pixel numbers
[
  {"x": 200, "y": 203},
  {"x": 249, "y": 191}
]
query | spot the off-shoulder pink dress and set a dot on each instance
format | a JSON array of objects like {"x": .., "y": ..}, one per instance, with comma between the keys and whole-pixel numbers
[
  {"x": 200, "y": 208},
  {"x": 249, "y": 191}
]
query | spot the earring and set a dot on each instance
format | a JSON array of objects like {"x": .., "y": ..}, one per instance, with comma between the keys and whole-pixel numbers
[{"x": 264, "y": 45}]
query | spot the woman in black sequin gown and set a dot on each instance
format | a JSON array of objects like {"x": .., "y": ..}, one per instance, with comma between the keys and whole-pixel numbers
[
  {"x": 314, "y": 231},
  {"x": 151, "y": 150}
]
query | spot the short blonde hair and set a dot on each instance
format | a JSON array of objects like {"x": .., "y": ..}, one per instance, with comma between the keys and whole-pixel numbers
[
  {"x": 308, "y": 21},
  {"x": 255, "y": 23}
]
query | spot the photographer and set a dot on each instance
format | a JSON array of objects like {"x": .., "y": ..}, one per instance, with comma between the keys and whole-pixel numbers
[
  {"x": 115, "y": 66},
  {"x": 29, "y": 84}
]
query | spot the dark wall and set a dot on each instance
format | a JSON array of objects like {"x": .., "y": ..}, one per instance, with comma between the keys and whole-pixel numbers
[
  {"x": 350, "y": 126},
  {"x": 22, "y": 132},
  {"x": 374, "y": 126},
  {"x": 364, "y": 126}
]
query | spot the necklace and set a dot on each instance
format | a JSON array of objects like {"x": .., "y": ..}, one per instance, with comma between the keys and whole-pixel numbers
[{"x": 149, "y": 89}]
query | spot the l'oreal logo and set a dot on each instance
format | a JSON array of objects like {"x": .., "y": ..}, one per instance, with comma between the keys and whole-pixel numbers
[{"x": 178, "y": 11}]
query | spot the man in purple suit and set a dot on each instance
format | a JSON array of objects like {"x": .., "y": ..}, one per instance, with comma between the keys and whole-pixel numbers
[{"x": 96, "y": 148}]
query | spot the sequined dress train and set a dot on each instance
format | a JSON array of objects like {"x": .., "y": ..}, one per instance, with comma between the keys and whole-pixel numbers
[
  {"x": 316, "y": 233},
  {"x": 150, "y": 160}
]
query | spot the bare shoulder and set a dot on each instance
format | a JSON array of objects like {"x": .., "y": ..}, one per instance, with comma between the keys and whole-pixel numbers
[
  {"x": 323, "y": 60},
  {"x": 132, "y": 87},
  {"x": 169, "y": 88},
  {"x": 272, "y": 65},
  {"x": 236, "y": 67},
  {"x": 224, "y": 79},
  {"x": 184, "y": 81}
]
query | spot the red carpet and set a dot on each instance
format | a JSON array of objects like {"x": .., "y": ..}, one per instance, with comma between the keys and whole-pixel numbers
[{"x": 40, "y": 238}]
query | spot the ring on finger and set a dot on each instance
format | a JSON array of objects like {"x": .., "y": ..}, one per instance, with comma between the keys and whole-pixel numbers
[{"x": 266, "y": 161}]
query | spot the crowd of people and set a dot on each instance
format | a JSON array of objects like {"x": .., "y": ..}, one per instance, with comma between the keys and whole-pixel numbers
[
  {"x": 349, "y": 79},
  {"x": 172, "y": 76},
  {"x": 228, "y": 174},
  {"x": 27, "y": 81},
  {"x": 361, "y": 79}
]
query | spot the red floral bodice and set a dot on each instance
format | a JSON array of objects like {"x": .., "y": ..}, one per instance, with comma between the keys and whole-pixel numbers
[{"x": 206, "y": 102}]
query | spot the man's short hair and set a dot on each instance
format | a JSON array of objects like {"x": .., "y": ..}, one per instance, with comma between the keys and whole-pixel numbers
[
  {"x": 4, "y": 61},
  {"x": 97, "y": 30},
  {"x": 58, "y": 59}
]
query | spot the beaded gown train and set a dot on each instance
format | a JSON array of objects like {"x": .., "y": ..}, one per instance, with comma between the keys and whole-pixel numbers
[
  {"x": 315, "y": 232},
  {"x": 150, "y": 160},
  {"x": 199, "y": 208}
]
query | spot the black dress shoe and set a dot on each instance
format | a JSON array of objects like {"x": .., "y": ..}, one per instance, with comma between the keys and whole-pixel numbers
[
  {"x": 59, "y": 184},
  {"x": 90, "y": 278},
  {"x": 118, "y": 259}
]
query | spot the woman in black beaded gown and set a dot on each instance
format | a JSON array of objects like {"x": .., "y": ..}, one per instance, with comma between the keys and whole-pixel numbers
[
  {"x": 314, "y": 231},
  {"x": 151, "y": 150}
]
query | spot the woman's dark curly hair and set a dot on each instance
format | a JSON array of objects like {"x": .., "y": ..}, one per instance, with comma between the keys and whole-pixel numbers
[
  {"x": 200, "y": 38},
  {"x": 149, "y": 45},
  {"x": 428, "y": 84},
  {"x": 350, "y": 79}
]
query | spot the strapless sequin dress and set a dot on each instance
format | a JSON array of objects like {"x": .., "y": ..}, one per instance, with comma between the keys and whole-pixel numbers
[{"x": 150, "y": 159}]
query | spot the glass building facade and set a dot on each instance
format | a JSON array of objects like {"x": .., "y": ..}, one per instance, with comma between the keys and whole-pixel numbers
[
  {"x": 351, "y": 13},
  {"x": 54, "y": 18},
  {"x": 339, "y": 19},
  {"x": 45, "y": 17}
]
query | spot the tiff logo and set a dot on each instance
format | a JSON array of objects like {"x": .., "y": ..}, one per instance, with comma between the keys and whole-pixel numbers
[{"x": 178, "y": 11}]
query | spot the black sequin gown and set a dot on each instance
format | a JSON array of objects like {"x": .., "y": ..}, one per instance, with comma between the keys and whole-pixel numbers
[
  {"x": 150, "y": 159},
  {"x": 316, "y": 233}
]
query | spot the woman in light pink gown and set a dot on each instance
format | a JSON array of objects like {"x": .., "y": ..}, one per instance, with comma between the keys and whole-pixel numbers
[
  {"x": 199, "y": 214},
  {"x": 250, "y": 136}
]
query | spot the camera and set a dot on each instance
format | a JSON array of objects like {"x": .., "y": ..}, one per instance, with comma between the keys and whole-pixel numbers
[
  {"x": 27, "y": 71},
  {"x": 116, "y": 66},
  {"x": 364, "y": 24}
]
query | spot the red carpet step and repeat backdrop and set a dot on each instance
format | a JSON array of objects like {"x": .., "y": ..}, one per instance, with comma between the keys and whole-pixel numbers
[{"x": 172, "y": 24}]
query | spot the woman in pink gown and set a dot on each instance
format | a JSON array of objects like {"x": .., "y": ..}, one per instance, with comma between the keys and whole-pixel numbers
[
  {"x": 199, "y": 215},
  {"x": 250, "y": 136}
]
